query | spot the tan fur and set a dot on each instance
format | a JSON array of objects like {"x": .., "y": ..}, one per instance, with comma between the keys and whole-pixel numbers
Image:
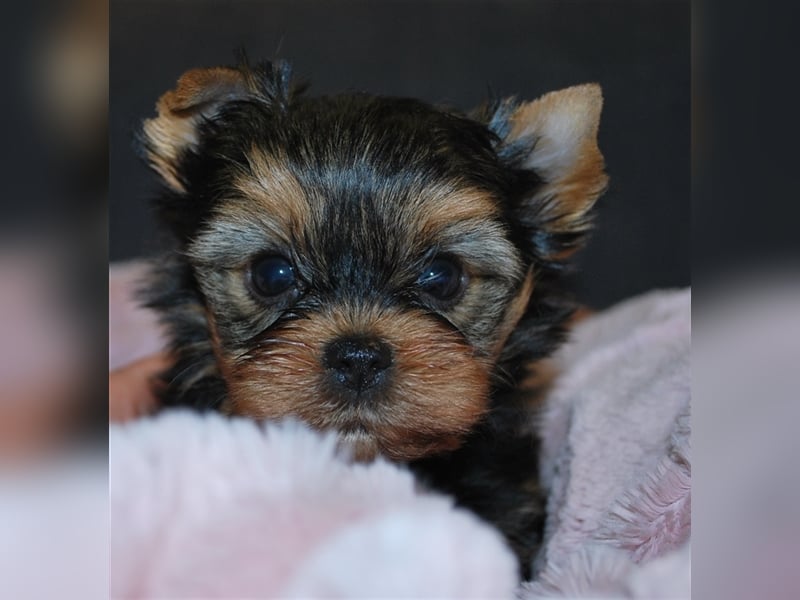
[
  {"x": 198, "y": 94},
  {"x": 565, "y": 124},
  {"x": 444, "y": 206},
  {"x": 514, "y": 312},
  {"x": 275, "y": 190},
  {"x": 436, "y": 392}
]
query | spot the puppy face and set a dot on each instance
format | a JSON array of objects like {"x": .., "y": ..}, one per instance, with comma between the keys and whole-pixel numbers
[{"x": 360, "y": 262}]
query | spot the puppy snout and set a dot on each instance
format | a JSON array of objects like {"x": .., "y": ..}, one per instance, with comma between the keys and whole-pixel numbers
[{"x": 358, "y": 363}]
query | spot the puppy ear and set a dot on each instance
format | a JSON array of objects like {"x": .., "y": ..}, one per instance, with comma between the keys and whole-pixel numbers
[
  {"x": 198, "y": 97},
  {"x": 555, "y": 136}
]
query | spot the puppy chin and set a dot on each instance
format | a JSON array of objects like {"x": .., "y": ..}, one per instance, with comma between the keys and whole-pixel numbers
[{"x": 358, "y": 445}]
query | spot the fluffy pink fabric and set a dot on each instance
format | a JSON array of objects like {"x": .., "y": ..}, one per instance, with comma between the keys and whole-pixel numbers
[
  {"x": 616, "y": 455},
  {"x": 203, "y": 506}
]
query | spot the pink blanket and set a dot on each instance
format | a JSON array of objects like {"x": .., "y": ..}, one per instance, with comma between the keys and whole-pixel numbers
[
  {"x": 616, "y": 456},
  {"x": 203, "y": 506}
]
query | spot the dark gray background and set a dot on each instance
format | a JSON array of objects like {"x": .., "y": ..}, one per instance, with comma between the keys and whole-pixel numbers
[{"x": 451, "y": 51}]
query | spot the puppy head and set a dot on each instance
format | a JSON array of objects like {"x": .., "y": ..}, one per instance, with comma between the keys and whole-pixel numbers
[{"x": 360, "y": 262}]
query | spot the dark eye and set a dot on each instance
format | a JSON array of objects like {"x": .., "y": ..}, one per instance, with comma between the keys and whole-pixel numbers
[
  {"x": 273, "y": 275},
  {"x": 442, "y": 279}
]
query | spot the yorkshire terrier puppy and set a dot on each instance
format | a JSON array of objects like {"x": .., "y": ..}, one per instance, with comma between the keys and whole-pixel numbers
[{"x": 379, "y": 267}]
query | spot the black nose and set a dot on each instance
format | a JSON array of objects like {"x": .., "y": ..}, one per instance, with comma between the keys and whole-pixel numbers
[{"x": 358, "y": 363}]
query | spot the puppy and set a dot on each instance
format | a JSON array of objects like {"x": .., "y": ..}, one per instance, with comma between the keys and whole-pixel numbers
[{"x": 379, "y": 267}]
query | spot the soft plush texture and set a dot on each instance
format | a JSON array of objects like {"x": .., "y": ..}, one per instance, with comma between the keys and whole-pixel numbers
[
  {"x": 616, "y": 453},
  {"x": 204, "y": 506}
]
